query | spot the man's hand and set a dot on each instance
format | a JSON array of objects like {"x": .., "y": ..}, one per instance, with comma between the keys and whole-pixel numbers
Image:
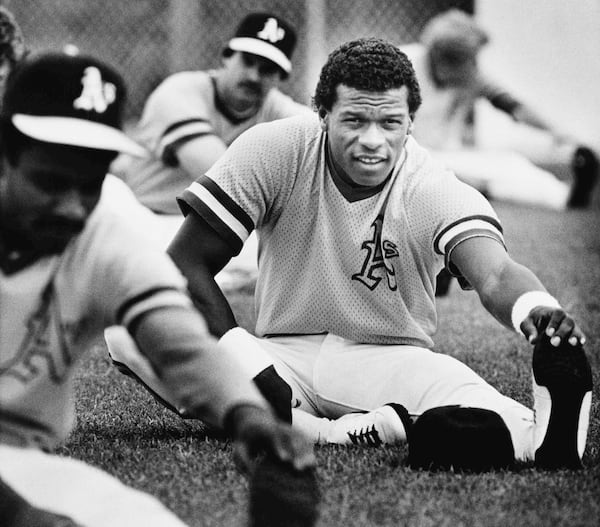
[
  {"x": 256, "y": 431},
  {"x": 553, "y": 322},
  {"x": 280, "y": 464}
]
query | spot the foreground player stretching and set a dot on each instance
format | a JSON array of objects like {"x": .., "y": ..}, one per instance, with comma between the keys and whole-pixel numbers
[
  {"x": 71, "y": 263},
  {"x": 354, "y": 221}
]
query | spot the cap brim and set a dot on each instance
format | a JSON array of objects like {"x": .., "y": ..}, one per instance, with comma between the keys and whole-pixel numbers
[
  {"x": 76, "y": 132},
  {"x": 263, "y": 49}
]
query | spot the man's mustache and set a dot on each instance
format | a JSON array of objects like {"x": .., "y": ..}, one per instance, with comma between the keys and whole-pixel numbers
[{"x": 251, "y": 86}]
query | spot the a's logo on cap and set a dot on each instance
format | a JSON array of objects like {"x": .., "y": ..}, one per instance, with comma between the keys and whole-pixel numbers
[
  {"x": 271, "y": 32},
  {"x": 95, "y": 95}
]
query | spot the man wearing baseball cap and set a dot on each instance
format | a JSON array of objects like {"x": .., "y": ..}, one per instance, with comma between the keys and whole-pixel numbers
[
  {"x": 193, "y": 116},
  {"x": 73, "y": 263}
]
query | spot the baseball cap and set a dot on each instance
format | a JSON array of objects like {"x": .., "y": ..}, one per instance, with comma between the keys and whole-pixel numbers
[
  {"x": 268, "y": 36},
  {"x": 69, "y": 100}
]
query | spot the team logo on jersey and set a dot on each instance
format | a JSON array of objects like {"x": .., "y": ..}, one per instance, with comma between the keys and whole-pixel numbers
[
  {"x": 46, "y": 348},
  {"x": 271, "y": 32},
  {"x": 96, "y": 95},
  {"x": 376, "y": 263}
]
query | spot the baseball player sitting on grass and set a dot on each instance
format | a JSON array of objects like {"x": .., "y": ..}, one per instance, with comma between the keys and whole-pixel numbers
[
  {"x": 454, "y": 83},
  {"x": 70, "y": 265},
  {"x": 354, "y": 222},
  {"x": 193, "y": 116}
]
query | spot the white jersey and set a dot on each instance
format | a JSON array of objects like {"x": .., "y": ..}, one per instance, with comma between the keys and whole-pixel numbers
[
  {"x": 53, "y": 311},
  {"x": 183, "y": 107},
  {"x": 358, "y": 265}
]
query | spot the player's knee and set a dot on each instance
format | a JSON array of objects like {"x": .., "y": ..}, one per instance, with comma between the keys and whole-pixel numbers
[
  {"x": 276, "y": 391},
  {"x": 462, "y": 439}
]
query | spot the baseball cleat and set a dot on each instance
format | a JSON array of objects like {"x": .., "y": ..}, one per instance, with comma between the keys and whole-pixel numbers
[
  {"x": 281, "y": 496},
  {"x": 562, "y": 391},
  {"x": 585, "y": 166},
  {"x": 387, "y": 425}
]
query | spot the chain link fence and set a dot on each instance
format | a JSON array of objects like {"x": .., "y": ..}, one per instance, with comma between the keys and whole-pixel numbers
[{"x": 149, "y": 39}]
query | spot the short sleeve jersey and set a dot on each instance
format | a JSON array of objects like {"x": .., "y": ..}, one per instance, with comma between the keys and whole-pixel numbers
[
  {"x": 54, "y": 310},
  {"x": 362, "y": 268},
  {"x": 182, "y": 108}
]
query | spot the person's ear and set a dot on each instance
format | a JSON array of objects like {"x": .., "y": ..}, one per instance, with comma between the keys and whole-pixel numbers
[{"x": 323, "y": 118}]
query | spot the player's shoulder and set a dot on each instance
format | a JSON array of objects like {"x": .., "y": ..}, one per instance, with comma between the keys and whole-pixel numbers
[
  {"x": 421, "y": 167},
  {"x": 279, "y": 105},
  {"x": 182, "y": 82},
  {"x": 119, "y": 219},
  {"x": 283, "y": 142},
  {"x": 427, "y": 176}
]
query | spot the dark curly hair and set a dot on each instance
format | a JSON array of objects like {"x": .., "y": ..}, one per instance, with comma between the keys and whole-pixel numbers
[
  {"x": 12, "y": 46},
  {"x": 368, "y": 64}
]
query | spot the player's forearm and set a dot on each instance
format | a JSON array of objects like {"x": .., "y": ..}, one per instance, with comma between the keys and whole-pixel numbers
[
  {"x": 526, "y": 115},
  {"x": 204, "y": 381},
  {"x": 504, "y": 286}
]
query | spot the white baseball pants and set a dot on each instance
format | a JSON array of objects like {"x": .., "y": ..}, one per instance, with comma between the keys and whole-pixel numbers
[{"x": 84, "y": 493}]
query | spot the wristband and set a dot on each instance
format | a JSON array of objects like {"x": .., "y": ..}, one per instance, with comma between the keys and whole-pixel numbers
[
  {"x": 245, "y": 350},
  {"x": 526, "y": 302}
]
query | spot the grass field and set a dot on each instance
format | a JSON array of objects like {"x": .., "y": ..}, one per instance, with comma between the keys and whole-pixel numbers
[{"x": 122, "y": 430}]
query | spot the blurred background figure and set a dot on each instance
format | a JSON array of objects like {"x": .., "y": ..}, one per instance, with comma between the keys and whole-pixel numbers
[
  {"x": 12, "y": 45},
  {"x": 452, "y": 80},
  {"x": 72, "y": 262},
  {"x": 193, "y": 116}
]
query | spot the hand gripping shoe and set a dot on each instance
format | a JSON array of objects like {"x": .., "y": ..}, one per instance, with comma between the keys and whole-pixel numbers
[
  {"x": 562, "y": 391},
  {"x": 388, "y": 424}
]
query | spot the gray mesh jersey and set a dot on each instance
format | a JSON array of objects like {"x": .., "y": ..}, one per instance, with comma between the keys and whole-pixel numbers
[
  {"x": 360, "y": 267},
  {"x": 52, "y": 312},
  {"x": 182, "y": 108}
]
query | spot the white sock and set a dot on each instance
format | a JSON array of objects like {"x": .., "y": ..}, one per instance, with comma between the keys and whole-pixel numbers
[{"x": 316, "y": 428}]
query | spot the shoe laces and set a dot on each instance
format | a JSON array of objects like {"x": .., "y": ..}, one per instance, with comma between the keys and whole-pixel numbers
[{"x": 365, "y": 436}]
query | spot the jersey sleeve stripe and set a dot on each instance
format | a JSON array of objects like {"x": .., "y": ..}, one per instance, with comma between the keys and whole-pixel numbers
[
  {"x": 474, "y": 233},
  {"x": 181, "y": 130},
  {"x": 227, "y": 202},
  {"x": 149, "y": 300},
  {"x": 184, "y": 122},
  {"x": 481, "y": 224},
  {"x": 456, "y": 241},
  {"x": 169, "y": 152},
  {"x": 188, "y": 200},
  {"x": 237, "y": 220}
]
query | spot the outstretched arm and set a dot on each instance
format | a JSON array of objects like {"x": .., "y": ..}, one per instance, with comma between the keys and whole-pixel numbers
[
  {"x": 212, "y": 386},
  {"x": 518, "y": 110},
  {"x": 512, "y": 293}
]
